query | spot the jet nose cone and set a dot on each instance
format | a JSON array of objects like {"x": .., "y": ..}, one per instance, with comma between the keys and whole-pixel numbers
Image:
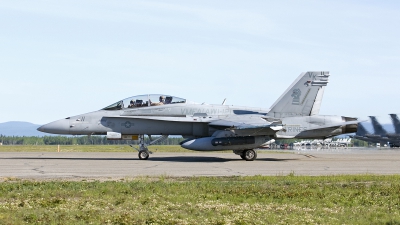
[
  {"x": 41, "y": 129},
  {"x": 56, "y": 127}
]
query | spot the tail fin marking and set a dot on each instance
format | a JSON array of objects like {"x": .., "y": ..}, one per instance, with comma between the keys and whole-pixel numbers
[{"x": 303, "y": 97}]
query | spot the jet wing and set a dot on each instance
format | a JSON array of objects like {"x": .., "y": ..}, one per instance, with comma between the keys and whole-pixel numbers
[
  {"x": 160, "y": 118},
  {"x": 234, "y": 121},
  {"x": 247, "y": 125},
  {"x": 245, "y": 122},
  {"x": 240, "y": 124}
]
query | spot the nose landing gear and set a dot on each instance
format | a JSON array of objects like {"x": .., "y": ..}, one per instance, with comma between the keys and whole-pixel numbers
[
  {"x": 143, "y": 155},
  {"x": 144, "y": 152}
]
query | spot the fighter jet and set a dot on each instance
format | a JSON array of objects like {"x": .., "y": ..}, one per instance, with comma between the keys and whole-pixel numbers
[
  {"x": 380, "y": 135},
  {"x": 392, "y": 138},
  {"x": 213, "y": 127},
  {"x": 396, "y": 125},
  {"x": 395, "y": 137},
  {"x": 363, "y": 134}
]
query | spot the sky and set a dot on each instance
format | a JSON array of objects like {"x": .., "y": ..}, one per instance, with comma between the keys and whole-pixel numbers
[{"x": 64, "y": 58}]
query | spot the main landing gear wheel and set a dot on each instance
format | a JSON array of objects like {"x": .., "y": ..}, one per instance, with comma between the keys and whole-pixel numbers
[
  {"x": 249, "y": 155},
  {"x": 143, "y": 155}
]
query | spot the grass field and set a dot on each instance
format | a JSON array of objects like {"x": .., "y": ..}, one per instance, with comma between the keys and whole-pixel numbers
[
  {"x": 88, "y": 148},
  {"x": 360, "y": 199}
]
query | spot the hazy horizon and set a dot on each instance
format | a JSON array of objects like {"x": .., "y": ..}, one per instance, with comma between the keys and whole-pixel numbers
[{"x": 66, "y": 58}]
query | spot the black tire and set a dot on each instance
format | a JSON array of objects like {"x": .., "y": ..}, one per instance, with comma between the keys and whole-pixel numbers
[
  {"x": 250, "y": 155},
  {"x": 143, "y": 155},
  {"x": 242, "y": 155}
]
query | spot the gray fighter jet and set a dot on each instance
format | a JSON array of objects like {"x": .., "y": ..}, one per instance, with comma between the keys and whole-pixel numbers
[
  {"x": 213, "y": 127},
  {"x": 392, "y": 138},
  {"x": 363, "y": 134},
  {"x": 380, "y": 135},
  {"x": 395, "y": 137}
]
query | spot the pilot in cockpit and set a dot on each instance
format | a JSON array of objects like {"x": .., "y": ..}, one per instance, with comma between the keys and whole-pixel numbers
[
  {"x": 132, "y": 104},
  {"x": 162, "y": 101}
]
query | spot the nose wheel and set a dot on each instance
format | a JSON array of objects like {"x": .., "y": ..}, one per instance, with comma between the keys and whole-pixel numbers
[{"x": 144, "y": 154}]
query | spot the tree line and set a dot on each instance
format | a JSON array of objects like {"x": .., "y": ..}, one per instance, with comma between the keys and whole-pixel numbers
[
  {"x": 102, "y": 140},
  {"x": 77, "y": 140}
]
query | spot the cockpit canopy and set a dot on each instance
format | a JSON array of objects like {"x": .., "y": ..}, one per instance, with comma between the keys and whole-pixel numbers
[{"x": 145, "y": 101}]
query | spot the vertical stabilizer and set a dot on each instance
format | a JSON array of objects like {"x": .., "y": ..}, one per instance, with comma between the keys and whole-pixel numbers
[
  {"x": 396, "y": 123},
  {"x": 361, "y": 131},
  {"x": 378, "y": 128},
  {"x": 303, "y": 97},
  {"x": 318, "y": 101}
]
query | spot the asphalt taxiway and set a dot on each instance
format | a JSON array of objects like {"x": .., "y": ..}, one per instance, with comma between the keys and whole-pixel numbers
[{"x": 105, "y": 165}]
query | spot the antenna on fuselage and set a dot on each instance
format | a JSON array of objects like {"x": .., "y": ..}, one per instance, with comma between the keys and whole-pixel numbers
[{"x": 223, "y": 103}]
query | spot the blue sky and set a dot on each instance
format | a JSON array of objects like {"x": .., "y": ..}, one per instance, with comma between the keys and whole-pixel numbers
[{"x": 63, "y": 58}]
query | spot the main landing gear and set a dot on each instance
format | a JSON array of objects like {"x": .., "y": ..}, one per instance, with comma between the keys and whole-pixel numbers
[{"x": 248, "y": 154}]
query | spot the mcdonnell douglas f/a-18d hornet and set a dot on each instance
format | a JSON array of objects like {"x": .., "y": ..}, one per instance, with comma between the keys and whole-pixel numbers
[{"x": 213, "y": 127}]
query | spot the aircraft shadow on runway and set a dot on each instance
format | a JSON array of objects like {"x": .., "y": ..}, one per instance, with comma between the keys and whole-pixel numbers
[
  {"x": 188, "y": 159},
  {"x": 206, "y": 159}
]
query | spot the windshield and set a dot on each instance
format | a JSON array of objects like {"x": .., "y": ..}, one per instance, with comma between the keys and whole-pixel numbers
[{"x": 145, "y": 101}]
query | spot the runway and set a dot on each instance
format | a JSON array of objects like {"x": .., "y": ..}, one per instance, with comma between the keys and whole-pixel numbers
[{"x": 114, "y": 166}]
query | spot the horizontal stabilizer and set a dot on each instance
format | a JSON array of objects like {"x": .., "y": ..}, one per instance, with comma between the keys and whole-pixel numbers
[{"x": 335, "y": 126}]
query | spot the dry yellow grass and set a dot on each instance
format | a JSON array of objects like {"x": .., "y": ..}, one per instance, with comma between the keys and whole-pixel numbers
[{"x": 87, "y": 148}]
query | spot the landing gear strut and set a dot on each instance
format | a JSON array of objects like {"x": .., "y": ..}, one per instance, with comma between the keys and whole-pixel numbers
[{"x": 144, "y": 152}]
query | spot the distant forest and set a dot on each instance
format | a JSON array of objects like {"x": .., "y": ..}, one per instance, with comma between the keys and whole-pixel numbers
[
  {"x": 102, "y": 140},
  {"x": 76, "y": 140}
]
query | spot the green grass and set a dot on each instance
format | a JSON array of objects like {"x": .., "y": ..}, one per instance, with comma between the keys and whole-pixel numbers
[
  {"x": 88, "y": 148},
  {"x": 353, "y": 199}
]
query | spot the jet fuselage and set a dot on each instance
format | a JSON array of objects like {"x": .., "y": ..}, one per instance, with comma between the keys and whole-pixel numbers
[{"x": 188, "y": 120}]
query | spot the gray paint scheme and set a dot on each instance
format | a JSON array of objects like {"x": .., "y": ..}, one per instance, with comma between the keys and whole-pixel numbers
[
  {"x": 304, "y": 94},
  {"x": 293, "y": 115},
  {"x": 396, "y": 123},
  {"x": 378, "y": 128},
  {"x": 380, "y": 135}
]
